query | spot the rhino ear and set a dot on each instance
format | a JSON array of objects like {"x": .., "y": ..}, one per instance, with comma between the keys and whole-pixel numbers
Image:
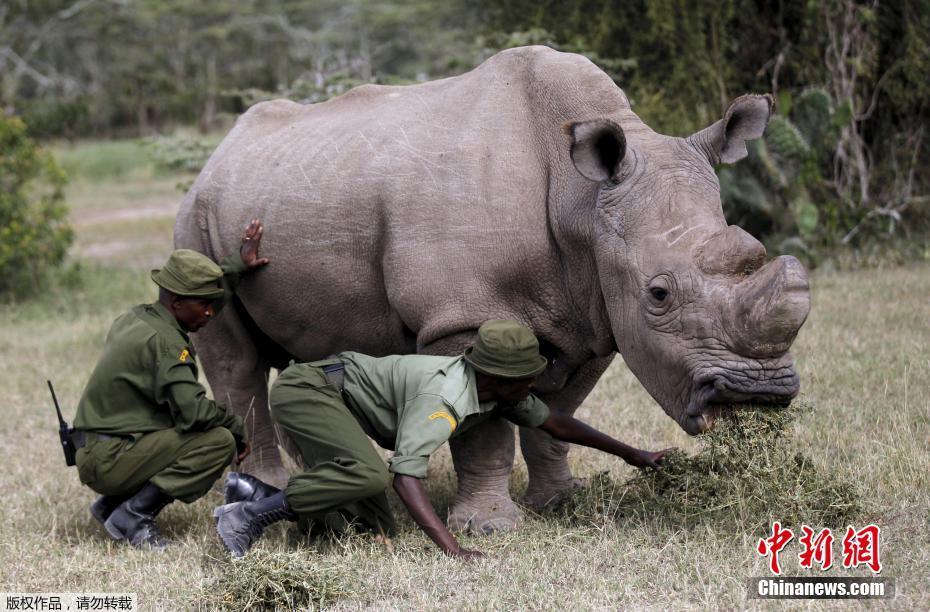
[
  {"x": 745, "y": 119},
  {"x": 597, "y": 148}
]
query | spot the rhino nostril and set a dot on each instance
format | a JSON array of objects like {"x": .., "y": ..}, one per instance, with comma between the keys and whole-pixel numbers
[{"x": 705, "y": 392}]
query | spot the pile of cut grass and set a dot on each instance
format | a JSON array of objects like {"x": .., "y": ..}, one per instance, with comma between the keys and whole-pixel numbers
[
  {"x": 278, "y": 580},
  {"x": 746, "y": 475}
]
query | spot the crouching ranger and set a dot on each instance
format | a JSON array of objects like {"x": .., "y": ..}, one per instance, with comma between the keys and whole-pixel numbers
[
  {"x": 146, "y": 432},
  {"x": 411, "y": 404}
]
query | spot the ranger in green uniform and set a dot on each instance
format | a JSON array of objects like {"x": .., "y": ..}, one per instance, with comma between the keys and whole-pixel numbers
[
  {"x": 147, "y": 433},
  {"x": 411, "y": 404}
]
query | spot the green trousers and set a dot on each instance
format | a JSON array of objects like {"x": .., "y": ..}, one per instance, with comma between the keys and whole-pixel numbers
[
  {"x": 342, "y": 470},
  {"x": 183, "y": 465}
]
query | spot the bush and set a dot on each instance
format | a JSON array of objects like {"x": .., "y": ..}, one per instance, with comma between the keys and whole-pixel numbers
[
  {"x": 51, "y": 116},
  {"x": 34, "y": 232},
  {"x": 180, "y": 152}
]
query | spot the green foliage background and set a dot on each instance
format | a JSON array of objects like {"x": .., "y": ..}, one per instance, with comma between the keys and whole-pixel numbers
[
  {"x": 34, "y": 234},
  {"x": 847, "y": 165}
]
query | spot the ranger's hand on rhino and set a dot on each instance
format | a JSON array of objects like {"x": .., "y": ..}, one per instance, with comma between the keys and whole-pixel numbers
[{"x": 250, "y": 244}]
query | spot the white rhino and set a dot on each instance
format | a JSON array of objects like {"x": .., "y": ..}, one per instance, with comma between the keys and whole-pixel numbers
[{"x": 398, "y": 219}]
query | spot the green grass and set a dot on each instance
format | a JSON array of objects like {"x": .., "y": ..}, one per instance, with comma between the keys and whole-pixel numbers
[
  {"x": 104, "y": 160},
  {"x": 135, "y": 158},
  {"x": 864, "y": 359}
]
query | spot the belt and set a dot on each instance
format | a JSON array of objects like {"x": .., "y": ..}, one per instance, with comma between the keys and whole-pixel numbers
[
  {"x": 79, "y": 436},
  {"x": 336, "y": 374}
]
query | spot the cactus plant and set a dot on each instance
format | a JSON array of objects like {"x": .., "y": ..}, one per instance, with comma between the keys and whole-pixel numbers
[{"x": 779, "y": 193}]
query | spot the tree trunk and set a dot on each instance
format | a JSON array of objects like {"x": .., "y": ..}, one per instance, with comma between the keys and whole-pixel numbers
[{"x": 208, "y": 115}]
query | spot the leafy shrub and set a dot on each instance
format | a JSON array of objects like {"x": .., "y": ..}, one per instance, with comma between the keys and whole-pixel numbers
[
  {"x": 180, "y": 152},
  {"x": 34, "y": 232},
  {"x": 52, "y": 116}
]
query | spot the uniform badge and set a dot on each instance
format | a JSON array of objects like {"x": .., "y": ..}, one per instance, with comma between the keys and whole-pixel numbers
[
  {"x": 184, "y": 355},
  {"x": 443, "y": 415}
]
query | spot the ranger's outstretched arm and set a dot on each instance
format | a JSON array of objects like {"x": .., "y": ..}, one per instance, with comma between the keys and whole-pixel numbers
[
  {"x": 411, "y": 492},
  {"x": 569, "y": 429}
]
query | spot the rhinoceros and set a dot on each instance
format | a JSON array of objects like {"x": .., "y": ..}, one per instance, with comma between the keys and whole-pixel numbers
[{"x": 398, "y": 219}]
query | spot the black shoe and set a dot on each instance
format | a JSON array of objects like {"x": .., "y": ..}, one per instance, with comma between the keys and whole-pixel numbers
[
  {"x": 134, "y": 519},
  {"x": 244, "y": 487},
  {"x": 104, "y": 506},
  {"x": 240, "y": 524}
]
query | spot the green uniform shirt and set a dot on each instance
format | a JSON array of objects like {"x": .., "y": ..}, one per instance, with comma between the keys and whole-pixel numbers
[
  {"x": 412, "y": 404},
  {"x": 146, "y": 379}
]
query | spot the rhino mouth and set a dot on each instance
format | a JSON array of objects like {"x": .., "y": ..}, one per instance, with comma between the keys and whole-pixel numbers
[{"x": 714, "y": 390}]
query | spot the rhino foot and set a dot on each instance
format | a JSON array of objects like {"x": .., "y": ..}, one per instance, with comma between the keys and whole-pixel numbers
[
  {"x": 540, "y": 496},
  {"x": 484, "y": 515}
]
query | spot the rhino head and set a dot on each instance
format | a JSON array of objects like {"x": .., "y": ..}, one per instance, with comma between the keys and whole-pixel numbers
[{"x": 698, "y": 315}]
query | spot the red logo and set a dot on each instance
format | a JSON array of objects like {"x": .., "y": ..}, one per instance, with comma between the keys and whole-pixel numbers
[
  {"x": 774, "y": 544},
  {"x": 859, "y": 547},
  {"x": 817, "y": 548}
]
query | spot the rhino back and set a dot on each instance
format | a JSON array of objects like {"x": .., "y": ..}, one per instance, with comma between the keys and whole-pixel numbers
[{"x": 419, "y": 210}]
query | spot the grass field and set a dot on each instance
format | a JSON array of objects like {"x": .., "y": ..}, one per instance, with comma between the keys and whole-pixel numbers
[{"x": 864, "y": 358}]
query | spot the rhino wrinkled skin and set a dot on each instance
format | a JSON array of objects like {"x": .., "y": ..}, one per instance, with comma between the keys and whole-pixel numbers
[{"x": 398, "y": 219}]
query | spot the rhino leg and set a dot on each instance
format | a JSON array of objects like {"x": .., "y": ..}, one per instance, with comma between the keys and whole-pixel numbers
[
  {"x": 483, "y": 459},
  {"x": 238, "y": 376},
  {"x": 546, "y": 457}
]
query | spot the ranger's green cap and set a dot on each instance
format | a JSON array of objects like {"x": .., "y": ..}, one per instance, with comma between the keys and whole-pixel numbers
[
  {"x": 505, "y": 349},
  {"x": 190, "y": 274}
]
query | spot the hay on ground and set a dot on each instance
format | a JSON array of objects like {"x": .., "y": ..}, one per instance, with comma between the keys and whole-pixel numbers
[
  {"x": 278, "y": 580},
  {"x": 746, "y": 475}
]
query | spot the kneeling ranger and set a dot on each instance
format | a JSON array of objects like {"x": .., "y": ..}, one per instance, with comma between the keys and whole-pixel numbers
[
  {"x": 411, "y": 404},
  {"x": 146, "y": 432}
]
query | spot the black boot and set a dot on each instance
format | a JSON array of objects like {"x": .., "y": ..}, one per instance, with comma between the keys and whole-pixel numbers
[
  {"x": 244, "y": 487},
  {"x": 104, "y": 506},
  {"x": 134, "y": 519},
  {"x": 240, "y": 524}
]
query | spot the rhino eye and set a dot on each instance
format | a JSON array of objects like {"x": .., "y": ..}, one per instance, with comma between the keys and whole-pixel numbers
[{"x": 659, "y": 293}]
